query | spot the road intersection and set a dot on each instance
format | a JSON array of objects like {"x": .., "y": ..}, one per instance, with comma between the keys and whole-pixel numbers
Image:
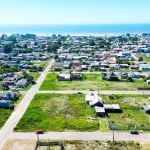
[{"x": 7, "y": 130}]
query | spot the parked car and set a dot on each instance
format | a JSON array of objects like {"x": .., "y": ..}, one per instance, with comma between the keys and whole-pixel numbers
[
  {"x": 134, "y": 132},
  {"x": 39, "y": 132},
  {"x": 79, "y": 93}
]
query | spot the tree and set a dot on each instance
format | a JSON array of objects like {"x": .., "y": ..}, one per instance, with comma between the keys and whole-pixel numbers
[
  {"x": 91, "y": 42},
  {"x": 140, "y": 58},
  {"x": 53, "y": 46},
  {"x": 27, "y": 76},
  {"x": 4, "y": 86},
  {"x": 8, "y": 48}
]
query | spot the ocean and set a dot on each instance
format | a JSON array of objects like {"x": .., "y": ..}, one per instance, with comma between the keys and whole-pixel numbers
[{"x": 102, "y": 29}]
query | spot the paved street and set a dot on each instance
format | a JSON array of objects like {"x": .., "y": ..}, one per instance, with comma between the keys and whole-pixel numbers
[
  {"x": 21, "y": 108},
  {"x": 143, "y": 137},
  {"x": 7, "y": 130},
  {"x": 140, "y": 92}
]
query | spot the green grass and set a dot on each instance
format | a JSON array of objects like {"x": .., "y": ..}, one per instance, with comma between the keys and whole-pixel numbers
[
  {"x": 145, "y": 58},
  {"x": 34, "y": 75},
  {"x": 5, "y": 113},
  {"x": 90, "y": 81},
  {"x": 104, "y": 126},
  {"x": 133, "y": 116},
  {"x": 57, "y": 112}
]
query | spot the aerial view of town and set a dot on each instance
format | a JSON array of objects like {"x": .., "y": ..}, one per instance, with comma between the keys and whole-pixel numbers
[{"x": 74, "y": 87}]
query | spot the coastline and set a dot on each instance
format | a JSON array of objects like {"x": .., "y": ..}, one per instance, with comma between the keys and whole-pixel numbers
[
  {"x": 76, "y": 30},
  {"x": 71, "y": 34}
]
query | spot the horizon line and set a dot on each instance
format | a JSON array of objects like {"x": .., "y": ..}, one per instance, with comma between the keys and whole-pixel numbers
[{"x": 78, "y": 24}]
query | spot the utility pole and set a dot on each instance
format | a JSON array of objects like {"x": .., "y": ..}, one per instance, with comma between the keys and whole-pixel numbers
[{"x": 113, "y": 128}]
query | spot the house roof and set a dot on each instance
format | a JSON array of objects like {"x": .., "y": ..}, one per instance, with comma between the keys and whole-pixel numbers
[
  {"x": 146, "y": 107},
  {"x": 111, "y": 106},
  {"x": 99, "y": 109}
]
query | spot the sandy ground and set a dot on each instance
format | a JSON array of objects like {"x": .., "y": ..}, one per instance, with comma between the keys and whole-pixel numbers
[
  {"x": 20, "y": 145},
  {"x": 16, "y": 144}
]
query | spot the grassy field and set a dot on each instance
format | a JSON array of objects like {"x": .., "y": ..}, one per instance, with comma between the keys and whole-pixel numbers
[
  {"x": 58, "y": 112},
  {"x": 34, "y": 75},
  {"x": 90, "y": 81},
  {"x": 133, "y": 115},
  {"x": 5, "y": 113}
]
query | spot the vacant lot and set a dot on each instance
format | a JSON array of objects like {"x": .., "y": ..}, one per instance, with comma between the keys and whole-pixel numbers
[
  {"x": 34, "y": 75},
  {"x": 133, "y": 116},
  {"x": 58, "y": 112},
  {"x": 75, "y": 145},
  {"x": 90, "y": 81}
]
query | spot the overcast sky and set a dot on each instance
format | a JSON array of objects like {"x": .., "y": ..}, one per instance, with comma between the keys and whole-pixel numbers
[{"x": 74, "y": 11}]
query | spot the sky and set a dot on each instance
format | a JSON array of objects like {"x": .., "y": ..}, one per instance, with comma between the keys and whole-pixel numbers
[{"x": 74, "y": 11}]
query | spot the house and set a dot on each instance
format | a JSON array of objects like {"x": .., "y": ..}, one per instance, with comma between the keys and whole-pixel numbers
[
  {"x": 124, "y": 75},
  {"x": 76, "y": 76},
  {"x": 112, "y": 60},
  {"x": 22, "y": 83},
  {"x": 147, "y": 109},
  {"x": 89, "y": 97},
  {"x": 124, "y": 66},
  {"x": 10, "y": 78},
  {"x": 101, "y": 109},
  {"x": 7, "y": 96},
  {"x": 144, "y": 67},
  {"x": 5, "y": 103},
  {"x": 96, "y": 101},
  {"x": 58, "y": 66},
  {"x": 1, "y": 48},
  {"x": 64, "y": 76},
  {"x": 126, "y": 53},
  {"x": 66, "y": 64},
  {"x": 10, "y": 96},
  {"x": 112, "y": 77},
  {"x": 114, "y": 66},
  {"x": 148, "y": 82},
  {"x": 76, "y": 57},
  {"x": 135, "y": 75},
  {"x": 84, "y": 67},
  {"x": 134, "y": 67}
]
